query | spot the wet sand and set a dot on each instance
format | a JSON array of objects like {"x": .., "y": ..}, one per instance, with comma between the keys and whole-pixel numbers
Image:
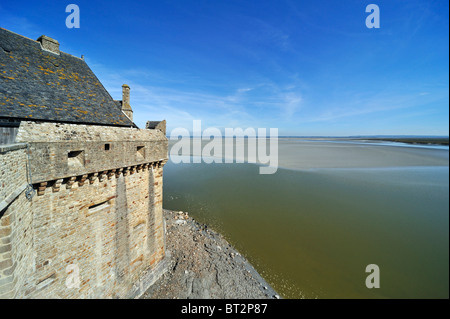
[{"x": 307, "y": 153}]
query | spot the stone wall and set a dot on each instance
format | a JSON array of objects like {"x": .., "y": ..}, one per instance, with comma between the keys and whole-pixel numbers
[
  {"x": 64, "y": 150},
  {"x": 106, "y": 233},
  {"x": 94, "y": 229},
  {"x": 12, "y": 171},
  {"x": 15, "y": 220}
]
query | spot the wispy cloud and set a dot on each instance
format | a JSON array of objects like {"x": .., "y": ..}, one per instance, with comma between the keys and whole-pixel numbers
[
  {"x": 255, "y": 105},
  {"x": 243, "y": 90},
  {"x": 291, "y": 104},
  {"x": 178, "y": 106},
  {"x": 384, "y": 103}
]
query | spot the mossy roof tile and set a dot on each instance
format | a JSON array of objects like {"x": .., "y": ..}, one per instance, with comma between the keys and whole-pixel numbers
[{"x": 30, "y": 76}]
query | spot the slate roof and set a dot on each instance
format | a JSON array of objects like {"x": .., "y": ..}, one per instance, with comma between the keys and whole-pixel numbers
[{"x": 39, "y": 85}]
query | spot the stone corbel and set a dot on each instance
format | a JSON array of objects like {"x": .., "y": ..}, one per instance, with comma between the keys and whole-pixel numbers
[
  {"x": 102, "y": 176},
  {"x": 56, "y": 187},
  {"x": 119, "y": 172},
  {"x": 70, "y": 182},
  {"x": 111, "y": 173},
  {"x": 82, "y": 180},
  {"x": 41, "y": 188},
  {"x": 92, "y": 178}
]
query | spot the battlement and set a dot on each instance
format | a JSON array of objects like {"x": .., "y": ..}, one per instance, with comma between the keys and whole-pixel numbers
[{"x": 63, "y": 150}]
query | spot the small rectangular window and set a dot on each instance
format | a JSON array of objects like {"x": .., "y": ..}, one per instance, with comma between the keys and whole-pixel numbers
[
  {"x": 140, "y": 151},
  {"x": 107, "y": 147},
  {"x": 74, "y": 154},
  {"x": 75, "y": 158}
]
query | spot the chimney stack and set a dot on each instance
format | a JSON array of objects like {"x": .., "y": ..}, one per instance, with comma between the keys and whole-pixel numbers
[
  {"x": 49, "y": 44},
  {"x": 126, "y": 107}
]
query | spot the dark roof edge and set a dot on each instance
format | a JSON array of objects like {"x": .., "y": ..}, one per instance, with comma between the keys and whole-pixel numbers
[
  {"x": 63, "y": 122},
  {"x": 20, "y": 35}
]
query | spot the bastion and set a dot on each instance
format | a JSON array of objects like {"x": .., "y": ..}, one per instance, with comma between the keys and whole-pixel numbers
[{"x": 80, "y": 183}]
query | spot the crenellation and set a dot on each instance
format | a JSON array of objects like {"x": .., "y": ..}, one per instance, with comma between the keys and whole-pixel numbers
[{"x": 73, "y": 157}]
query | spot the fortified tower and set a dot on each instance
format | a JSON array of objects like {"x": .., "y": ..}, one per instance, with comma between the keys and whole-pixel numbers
[{"x": 80, "y": 183}]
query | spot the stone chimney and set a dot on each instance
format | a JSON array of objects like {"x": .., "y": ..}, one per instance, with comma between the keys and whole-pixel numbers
[
  {"x": 49, "y": 44},
  {"x": 126, "y": 107}
]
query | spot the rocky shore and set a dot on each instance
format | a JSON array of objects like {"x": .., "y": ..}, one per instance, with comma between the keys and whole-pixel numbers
[{"x": 203, "y": 265}]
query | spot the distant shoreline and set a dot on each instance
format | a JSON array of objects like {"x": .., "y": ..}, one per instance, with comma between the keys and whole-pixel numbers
[
  {"x": 415, "y": 140},
  {"x": 432, "y": 140},
  {"x": 406, "y": 139}
]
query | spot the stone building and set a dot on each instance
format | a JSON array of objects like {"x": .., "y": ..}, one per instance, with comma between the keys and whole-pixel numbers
[{"x": 80, "y": 183}]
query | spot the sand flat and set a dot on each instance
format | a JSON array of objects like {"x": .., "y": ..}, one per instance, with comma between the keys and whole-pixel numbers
[
  {"x": 301, "y": 154},
  {"x": 307, "y": 153}
]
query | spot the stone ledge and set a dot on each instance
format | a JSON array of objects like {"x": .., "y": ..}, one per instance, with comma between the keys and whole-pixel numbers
[
  {"x": 5, "y": 148},
  {"x": 8, "y": 200}
]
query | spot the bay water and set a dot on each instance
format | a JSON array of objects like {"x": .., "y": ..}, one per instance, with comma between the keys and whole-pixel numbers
[{"x": 311, "y": 230}]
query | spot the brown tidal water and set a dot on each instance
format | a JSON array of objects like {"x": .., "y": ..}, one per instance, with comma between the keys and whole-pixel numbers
[{"x": 311, "y": 233}]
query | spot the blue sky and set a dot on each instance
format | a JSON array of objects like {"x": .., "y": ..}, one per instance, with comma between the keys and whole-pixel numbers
[{"x": 304, "y": 67}]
